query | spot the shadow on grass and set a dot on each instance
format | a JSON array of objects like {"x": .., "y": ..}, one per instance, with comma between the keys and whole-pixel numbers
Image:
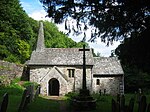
[
  {"x": 48, "y": 104},
  {"x": 42, "y": 104}
]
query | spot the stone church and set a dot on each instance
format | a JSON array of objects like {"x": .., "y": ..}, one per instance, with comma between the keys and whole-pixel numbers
[{"x": 59, "y": 70}]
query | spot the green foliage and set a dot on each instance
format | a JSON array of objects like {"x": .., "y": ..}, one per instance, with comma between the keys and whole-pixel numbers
[
  {"x": 135, "y": 58},
  {"x": 16, "y": 86},
  {"x": 113, "y": 20},
  {"x": 24, "y": 50},
  {"x": 71, "y": 95},
  {"x": 13, "y": 89},
  {"x": 102, "y": 98},
  {"x": 18, "y": 33},
  {"x": 28, "y": 83},
  {"x": 135, "y": 79},
  {"x": 16, "y": 80},
  {"x": 56, "y": 39}
]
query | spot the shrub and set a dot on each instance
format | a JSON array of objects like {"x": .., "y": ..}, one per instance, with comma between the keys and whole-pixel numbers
[
  {"x": 28, "y": 83},
  {"x": 71, "y": 95}
]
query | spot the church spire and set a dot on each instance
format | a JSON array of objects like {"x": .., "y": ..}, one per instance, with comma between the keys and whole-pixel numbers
[{"x": 40, "y": 42}]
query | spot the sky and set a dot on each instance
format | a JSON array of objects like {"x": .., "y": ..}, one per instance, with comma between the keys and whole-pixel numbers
[{"x": 35, "y": 10}]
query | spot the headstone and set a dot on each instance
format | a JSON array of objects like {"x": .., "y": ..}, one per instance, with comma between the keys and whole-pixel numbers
[
  {"x": 122, "y": 103},
  {"x": 131, "y": 105},
  {"x": 4, "y": 104},
  {"x": 142, "y": 104},
  {"x": 115, "y": 106},
  {"x": 30, "y": 92},
  {"x": 23, "y": 100}
]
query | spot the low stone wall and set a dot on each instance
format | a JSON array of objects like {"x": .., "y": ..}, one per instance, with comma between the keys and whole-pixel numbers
[{"x": 9, "y": 71}]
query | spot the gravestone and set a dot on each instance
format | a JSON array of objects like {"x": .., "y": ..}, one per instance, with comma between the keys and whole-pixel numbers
[
  {"x": 115, "y": 106},
  {"x": 4, "y": 104},
  {"x": 23, "y": 101},
  {"x": 131, "y": 105},
  {"x": 84, "y": 101},
  {"x": 142, "y": 104},
  {"x": 30, "y": 92},
  {"x": 122, "y": 103}
]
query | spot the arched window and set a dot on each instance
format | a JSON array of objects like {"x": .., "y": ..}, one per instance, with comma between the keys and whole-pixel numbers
[{"x": 97, "y": 82}]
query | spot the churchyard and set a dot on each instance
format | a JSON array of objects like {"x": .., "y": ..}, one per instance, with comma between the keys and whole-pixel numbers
[
  {"x": 22, "y": 100},
  {"x": 71, "y": 93}
]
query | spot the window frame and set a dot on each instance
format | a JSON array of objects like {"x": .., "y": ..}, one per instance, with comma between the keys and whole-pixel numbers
[{"x": 71, "y": 73}]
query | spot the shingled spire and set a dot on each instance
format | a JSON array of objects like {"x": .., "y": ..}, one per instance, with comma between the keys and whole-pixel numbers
[{"x": 40, "y": 42}]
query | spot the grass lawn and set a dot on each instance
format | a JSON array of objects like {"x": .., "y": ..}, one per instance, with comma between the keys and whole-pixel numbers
[{"x": 44, "y": 104}]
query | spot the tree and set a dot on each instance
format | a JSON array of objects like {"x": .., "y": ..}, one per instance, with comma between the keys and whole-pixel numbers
[
  {"x": 134, "y": 55},
  {"x": 134, "y": 51},
  {"x": 128, "y": 20},
  {"x": 56, "y": 39},
  {"x": 112, "y": 19},
  {"x": 16, "y": 32}
]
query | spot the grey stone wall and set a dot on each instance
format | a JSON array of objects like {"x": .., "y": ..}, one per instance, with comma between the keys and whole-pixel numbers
[
  {"x": 43, "y": 75},
  {"x": 7, "y": 68},
  {"x": 76, "y": 82},
  {"x": 111, "y": 84},
  {"x": 9, "y": 71}
]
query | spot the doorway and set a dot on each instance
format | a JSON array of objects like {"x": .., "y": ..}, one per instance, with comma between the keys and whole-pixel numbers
[{"x": 53, "y": 87}]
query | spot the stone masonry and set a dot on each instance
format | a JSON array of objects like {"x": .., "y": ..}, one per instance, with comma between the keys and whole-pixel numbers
[{"x": 59, "y": 70}]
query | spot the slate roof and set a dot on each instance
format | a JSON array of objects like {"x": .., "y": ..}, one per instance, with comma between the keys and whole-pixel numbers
[
  {"x": 107, "y": 66},
  {"x": 72, "y": 56},
  {"x": 60, "y": 56}
]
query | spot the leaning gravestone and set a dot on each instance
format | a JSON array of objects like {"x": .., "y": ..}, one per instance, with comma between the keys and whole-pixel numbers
[
  {"x": 4, "y": 104},
  {"x": 23, "y": 101}
]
